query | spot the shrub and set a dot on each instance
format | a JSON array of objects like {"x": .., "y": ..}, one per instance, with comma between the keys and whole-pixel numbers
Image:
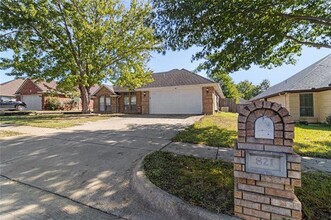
[
  {"x": 52, "y": 104},
  {"x": 328, "y": 120}
]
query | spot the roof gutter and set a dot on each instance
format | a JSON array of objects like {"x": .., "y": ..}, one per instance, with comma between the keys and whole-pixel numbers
[{"x": 292, "y": 91}]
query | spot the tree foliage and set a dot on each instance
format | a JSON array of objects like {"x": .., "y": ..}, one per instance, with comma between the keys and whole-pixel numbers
[
  {"x": 228, "y": 86},
  {"x": 78, "y": 43},
  {"x": 247, "y": 90},
  {"x": 235, "y": 34}
]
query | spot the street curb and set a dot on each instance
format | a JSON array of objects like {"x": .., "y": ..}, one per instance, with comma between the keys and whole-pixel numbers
[{"x": 166, "y": 204}]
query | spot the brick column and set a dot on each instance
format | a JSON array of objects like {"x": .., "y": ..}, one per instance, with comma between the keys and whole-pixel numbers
[
  {"x": 266, "y": 169},
  {"x": 207, "y": 100},
  {"x": 145, "y": 102}
]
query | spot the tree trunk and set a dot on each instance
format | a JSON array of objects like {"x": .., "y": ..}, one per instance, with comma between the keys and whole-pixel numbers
[{"x": 85, "y": 96}]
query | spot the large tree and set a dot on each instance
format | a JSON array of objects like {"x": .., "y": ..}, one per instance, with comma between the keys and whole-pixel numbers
[
  {"x": 80, "y": 43},
  {"x": 235, "y": 34},
  {"x": 247, "y": 90}
]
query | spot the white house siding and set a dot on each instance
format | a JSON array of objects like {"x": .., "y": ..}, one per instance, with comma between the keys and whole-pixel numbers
[
  {"x": 281, "y": 99},
  {"x": 215, "y": 102},
  {"x": 291, "y": 101},
  {"x": 323, "y": 104}
]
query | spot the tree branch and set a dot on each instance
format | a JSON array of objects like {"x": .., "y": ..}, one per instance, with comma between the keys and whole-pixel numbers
[
  {"x": 317, "y": 20},
  {"x": 71, "y": 45},
  {"x": 318, "y": 45}
]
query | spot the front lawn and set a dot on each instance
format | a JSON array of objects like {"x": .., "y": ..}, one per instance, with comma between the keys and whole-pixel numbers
[
  {"x": 5, "y": 133},
  {"x": 209, "y": 184},
  {"x": 220, "y": 130},
  {"x": 51, "y": 120},
  {"x": 313, "y": 140},
  {"x": 201, "y": 182}
]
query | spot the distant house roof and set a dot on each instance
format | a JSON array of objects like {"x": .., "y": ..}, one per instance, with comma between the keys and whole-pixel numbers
[
  {"x": 176, "y": 77},
  {"x": 315, "y": 77},
  {"x": 45, "y": 86},
  {"x": 9, "y": 88},
  {"x": 94, "y": 88}
]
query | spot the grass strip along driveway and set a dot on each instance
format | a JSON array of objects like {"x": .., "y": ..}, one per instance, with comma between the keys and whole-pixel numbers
[
  {"x": 4, "y": 133},
  {"x": 51, "y": 120},
  {"x": 209, "y": 184},
  {"x": 220, "y": 130}
]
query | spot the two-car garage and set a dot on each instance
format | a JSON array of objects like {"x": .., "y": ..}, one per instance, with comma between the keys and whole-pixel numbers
[{"x": 175, "y": 100}]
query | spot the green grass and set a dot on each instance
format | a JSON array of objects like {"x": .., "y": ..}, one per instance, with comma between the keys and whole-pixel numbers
[
  {"x": 201, "y": 182},
  {"x": 5, "y": 133},
  {"x": 209, "y": 184},
  {"x": 315, "y": 195},
  {"x": 51, "y": 120},
  {"x": 220, "y": 130},
  {"x": 313, "y": 140}
]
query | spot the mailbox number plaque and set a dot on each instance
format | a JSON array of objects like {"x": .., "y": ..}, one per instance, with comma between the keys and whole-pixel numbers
[{"x": 267, "y": 163}]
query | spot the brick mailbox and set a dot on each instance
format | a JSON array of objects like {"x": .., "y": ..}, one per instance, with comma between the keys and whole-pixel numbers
[{"x": 266, "y": 169}]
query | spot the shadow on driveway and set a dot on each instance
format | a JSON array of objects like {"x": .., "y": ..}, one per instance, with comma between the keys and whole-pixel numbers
[{"x": 91, "y": 167}]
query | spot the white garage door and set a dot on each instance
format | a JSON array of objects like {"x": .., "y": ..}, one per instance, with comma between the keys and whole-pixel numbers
[
  {"x": 176, "y": 101},
  {"x": 33, "y": 102}
]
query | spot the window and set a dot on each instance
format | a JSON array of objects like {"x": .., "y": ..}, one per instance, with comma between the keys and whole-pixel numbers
[
  {"x": 130, "y": 101},
  {"x": 107, "y": 103},
  {"x": 306, "y": 105},
  {"x": 6, "y": 99},
  {"x": 102, "y": 103}
]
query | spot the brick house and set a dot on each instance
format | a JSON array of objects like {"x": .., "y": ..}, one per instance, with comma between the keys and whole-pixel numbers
[
  {"x": 172, "y": 92},
  {"x": 306, "y": 95},
  {"x": 35, "y": 93}
]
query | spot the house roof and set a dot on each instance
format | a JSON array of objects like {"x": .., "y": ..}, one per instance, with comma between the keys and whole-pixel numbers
[
  {"x": 314, "y": 77},
  {"x": 173, "y": 77},
  {"x": 45, "y": 86},
  {"x": 113, "y": 89},
  {"x": 94, "y": 88},
  {"x": 9, "y": 88},
  {"x": 42, "y": 85},
  {"x": 176, "y": 77}
]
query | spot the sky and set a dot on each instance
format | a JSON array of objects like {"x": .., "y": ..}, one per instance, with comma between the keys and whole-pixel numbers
[{"x": 182, "y": 59}]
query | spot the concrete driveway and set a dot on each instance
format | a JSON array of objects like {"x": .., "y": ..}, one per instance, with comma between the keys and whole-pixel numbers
[{"x": 81, "y": 172}]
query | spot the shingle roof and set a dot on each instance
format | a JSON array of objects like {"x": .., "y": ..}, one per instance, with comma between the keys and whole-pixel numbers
[
  {"x": 9, "y": 88},
  {"x": 316, "y": 76},
  {"x": 46, "y": 86},
  {"x": 176, "y": 77},
  {"x": 173, "y": 77},
  {"x": 94, "y": 89}
]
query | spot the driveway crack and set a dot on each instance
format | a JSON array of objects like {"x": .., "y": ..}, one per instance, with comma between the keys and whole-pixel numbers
[{"x": 166, "y": 145}]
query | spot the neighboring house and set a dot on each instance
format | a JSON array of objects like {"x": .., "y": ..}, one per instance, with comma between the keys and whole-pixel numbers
[
  {"x": 8, "y": 89},
  {"x": 35, "y": 93},
  {"x": 307, "y": 94},
  {"x": 172, "y": 92}
]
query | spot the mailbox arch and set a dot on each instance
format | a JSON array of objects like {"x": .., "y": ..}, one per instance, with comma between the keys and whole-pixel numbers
[{"x": 283, "y": 123}]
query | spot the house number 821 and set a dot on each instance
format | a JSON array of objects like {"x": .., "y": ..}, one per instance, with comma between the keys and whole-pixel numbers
[{"x": 264, "y": 161}]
